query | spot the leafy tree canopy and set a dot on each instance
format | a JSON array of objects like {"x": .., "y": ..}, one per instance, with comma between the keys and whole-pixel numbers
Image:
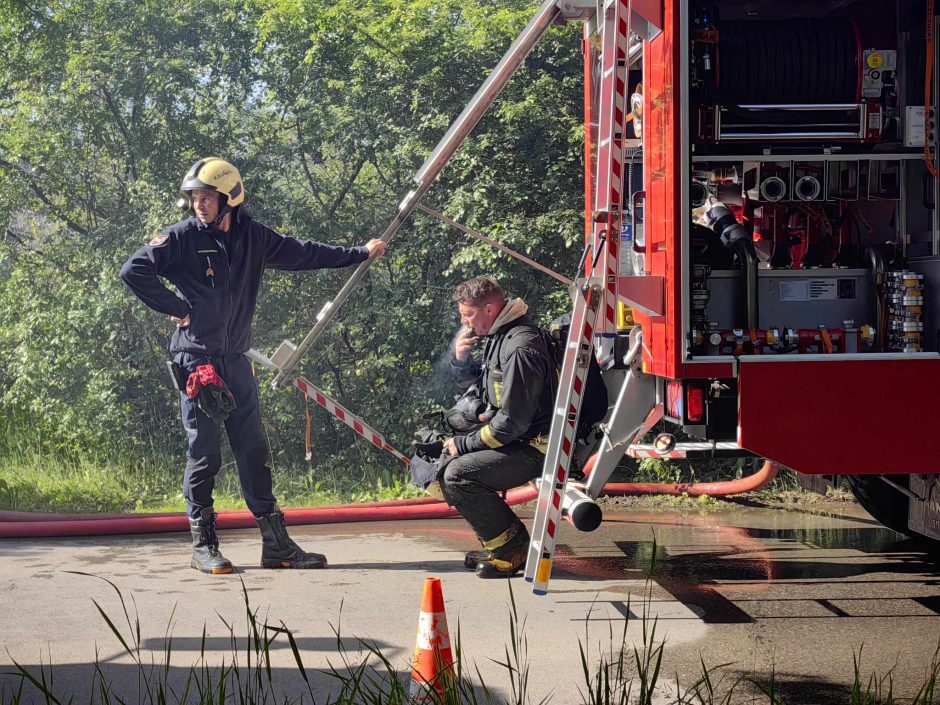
[{"x": 328, "y": 107}]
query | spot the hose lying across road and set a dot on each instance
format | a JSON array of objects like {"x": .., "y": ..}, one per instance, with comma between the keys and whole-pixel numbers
[{"x": 36, "y": 525}]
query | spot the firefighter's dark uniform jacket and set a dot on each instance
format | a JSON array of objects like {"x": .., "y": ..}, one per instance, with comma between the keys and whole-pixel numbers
[
  {"x": 218, "y": 276},
  {"x": 517, "y": 376}
]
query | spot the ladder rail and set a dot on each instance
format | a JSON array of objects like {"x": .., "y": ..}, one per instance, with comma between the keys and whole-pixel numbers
[
  {"x": 432, "y": 167},
  {"x": 355, "y": 422},
  {"x": 612, "y": 134},
  {"x": 562, "y": 436},
  {"x": 594, "y": 311}
]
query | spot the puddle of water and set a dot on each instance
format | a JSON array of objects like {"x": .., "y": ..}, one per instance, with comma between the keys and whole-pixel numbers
[{"x": 699, "y": 557}]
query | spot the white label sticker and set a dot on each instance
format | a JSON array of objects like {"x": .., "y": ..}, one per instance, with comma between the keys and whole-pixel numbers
[
  {"x": 808, "y": 290},
  {"x": 626, "y": 250},
  {"x": 794, "y": 291}
]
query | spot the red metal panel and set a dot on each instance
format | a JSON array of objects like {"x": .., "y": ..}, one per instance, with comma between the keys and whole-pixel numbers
[
  {"x": 642, "y": 292},
  {"x": 708, "y": 370},
  {"x": 662, "y": 170},
  {"x": 841, "y": 416},
  {"x": 649, "y": 10}
]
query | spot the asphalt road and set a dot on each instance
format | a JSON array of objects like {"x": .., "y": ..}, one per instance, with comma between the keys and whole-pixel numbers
[{"x": 755, "y": 588}]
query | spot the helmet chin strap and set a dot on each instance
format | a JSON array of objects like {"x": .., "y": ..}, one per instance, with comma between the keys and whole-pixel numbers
[{"x": 223, "y": 211}]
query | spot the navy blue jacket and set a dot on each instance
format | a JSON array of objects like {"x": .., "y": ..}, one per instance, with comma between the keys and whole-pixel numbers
[{"x": 218, "y": 275}]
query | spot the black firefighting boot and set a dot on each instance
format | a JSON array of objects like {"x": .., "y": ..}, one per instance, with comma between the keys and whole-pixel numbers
[
  {"x": 472, "y": 558},
  {"x": 277, "y": 548},
  {"x": 206, "y": 556},
  {"x": 508, "y": 553}
]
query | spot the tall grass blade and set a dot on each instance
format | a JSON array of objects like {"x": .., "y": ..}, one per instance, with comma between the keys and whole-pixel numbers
[{"x": 38, "y": 685}]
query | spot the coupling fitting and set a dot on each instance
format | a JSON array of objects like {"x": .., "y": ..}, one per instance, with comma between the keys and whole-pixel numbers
[{"x": 720, "y": 219}]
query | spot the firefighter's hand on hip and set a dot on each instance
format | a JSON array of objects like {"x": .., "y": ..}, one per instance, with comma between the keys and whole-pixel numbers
[
  {"x": 180, "y": 322},
  {"x": 464, "y": 344},
  {"x": 450, "y": 448},
  {"x": 376, "y": 247}
]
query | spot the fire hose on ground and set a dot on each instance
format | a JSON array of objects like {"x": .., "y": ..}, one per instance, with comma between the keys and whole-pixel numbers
[{"x": 38, "y": 525}]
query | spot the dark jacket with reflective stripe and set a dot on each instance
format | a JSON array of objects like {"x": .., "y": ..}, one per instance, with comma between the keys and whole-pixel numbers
[
  {"x": 218, "y": 275},
  {"x": 517, "y": 376}
]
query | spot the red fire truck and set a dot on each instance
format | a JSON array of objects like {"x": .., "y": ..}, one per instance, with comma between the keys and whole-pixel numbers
[
  {"x": 789, "y": 239},
  {"x": 769, "y": 171}
]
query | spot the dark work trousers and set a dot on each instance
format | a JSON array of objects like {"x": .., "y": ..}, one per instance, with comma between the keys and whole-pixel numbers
[
  {"x": 245, "y": 436},
  {"x": 472, "y": 484}
]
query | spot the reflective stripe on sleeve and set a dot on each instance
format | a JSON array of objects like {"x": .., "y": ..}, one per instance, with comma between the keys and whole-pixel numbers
[{"x": 486, "y": 435}]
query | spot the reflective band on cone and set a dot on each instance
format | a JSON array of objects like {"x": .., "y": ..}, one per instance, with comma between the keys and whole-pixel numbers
[{"x": 433, "y": 657}]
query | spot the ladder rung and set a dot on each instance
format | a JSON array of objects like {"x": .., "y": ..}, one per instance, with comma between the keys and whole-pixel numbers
[{"x": 688, "y": 449}]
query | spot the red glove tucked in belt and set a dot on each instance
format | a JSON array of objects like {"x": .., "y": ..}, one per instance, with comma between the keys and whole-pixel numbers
[{"x": 211, "y": 393}]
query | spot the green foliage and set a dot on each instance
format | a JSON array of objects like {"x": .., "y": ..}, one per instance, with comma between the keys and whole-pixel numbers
[
  {"x": 89, "y": 484},
  {"x": 328, "y": 107}
]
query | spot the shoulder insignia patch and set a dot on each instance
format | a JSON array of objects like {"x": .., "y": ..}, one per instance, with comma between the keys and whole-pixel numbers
[{"x": 159, "y": 239}]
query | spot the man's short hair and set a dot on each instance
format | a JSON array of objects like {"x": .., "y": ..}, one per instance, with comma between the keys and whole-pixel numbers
[{"x": 479, "y": 291}]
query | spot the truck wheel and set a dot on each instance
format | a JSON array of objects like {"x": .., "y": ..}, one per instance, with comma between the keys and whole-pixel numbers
[{"x": 884, "y": 502}]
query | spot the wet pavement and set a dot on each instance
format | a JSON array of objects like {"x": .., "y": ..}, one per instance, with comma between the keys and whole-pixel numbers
[{"x": 756, "y": 588}]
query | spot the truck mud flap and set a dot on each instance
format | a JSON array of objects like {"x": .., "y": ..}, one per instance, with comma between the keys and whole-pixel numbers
[{"x": 923, "y": 516}]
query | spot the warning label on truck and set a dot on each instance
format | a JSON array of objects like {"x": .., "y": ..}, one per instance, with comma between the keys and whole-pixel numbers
[{"x": 808, "y": 290}]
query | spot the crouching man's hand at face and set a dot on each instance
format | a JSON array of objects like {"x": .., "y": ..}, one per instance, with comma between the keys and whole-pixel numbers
[
  {"x": 450, "y": 447},
  {"x": 464, "y": 344}
]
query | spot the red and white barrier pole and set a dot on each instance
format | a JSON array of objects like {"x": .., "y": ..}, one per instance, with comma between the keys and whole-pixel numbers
[{"x": 347, "y": 417}]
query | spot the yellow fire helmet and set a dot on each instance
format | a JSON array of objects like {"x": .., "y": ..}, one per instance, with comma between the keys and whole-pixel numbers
[{"x": 218, "y": 175}]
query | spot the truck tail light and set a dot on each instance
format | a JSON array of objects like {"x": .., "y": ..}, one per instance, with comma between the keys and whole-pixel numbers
[
  {"x": 695, "y": 403},
  {"x": 674, "y": 400}
]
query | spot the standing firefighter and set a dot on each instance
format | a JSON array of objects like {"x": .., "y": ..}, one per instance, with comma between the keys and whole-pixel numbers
[
  {"x": 516, "y": 380},
  {"x": 215, "y": 259}
]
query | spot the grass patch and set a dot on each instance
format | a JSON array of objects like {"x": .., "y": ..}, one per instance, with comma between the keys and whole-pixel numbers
[
  {"x": 785, "y": 491},
  {"x": 37, "y": 481},
  {"x": 37, "y": 475}
]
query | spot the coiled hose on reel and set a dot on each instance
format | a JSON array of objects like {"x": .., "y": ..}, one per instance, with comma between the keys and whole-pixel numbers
[{"x": 789, "y": 62}]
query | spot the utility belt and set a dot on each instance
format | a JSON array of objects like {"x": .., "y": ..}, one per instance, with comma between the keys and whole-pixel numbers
[{"x": 205, "y": 387}]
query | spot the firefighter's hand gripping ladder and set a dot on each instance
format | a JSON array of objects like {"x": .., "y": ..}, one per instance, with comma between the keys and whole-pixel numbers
[{"x": 285, "y": 359}]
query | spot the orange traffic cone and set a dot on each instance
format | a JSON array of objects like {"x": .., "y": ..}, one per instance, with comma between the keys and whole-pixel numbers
[{"x": 433, "y": 657}]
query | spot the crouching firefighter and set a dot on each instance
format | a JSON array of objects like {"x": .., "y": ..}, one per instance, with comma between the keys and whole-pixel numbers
[
  {"x": 516, "y": 378},
  {"x": 215, "y": 259}
]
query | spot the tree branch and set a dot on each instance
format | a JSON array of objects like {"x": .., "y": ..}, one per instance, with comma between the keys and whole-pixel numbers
[
  {"x": 306, "y": 169},
  {"x": 40, "y": 194},
  {"x": 131, "y": 160},
  {"x": 345, "y": 190},
  {"x": 338, "y": 379}
]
